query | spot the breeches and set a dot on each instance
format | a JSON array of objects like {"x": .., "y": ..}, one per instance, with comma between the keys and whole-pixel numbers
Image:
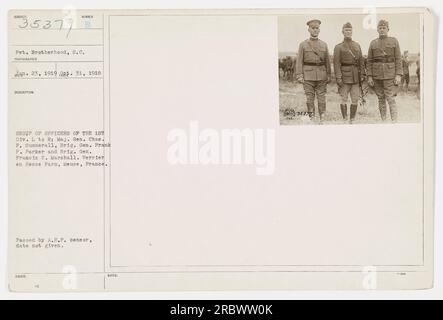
[
  {"x": 347, "y": 90},
  {"x": 313, "y": 88}
]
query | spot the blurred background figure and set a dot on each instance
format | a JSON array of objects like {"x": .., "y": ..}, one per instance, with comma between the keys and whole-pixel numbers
[
  {"x": 405, "y": 79},
  {"x": 417, "y": 72},
  {"x": 418, "y": 69}
]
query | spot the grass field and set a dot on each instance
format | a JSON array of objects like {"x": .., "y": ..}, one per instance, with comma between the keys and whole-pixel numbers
[{"x": 292, "y": 96}]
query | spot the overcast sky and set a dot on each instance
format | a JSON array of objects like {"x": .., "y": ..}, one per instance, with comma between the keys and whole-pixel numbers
[{"x": 293, "y": 29}]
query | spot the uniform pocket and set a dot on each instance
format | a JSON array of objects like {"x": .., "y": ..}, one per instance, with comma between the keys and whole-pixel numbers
[
  {"x": 389, "y": 70},
  {"x": 309, "y": 55},
  {"x": 390, "y": 49},
  {"x": 322, "y": 54},
  {"x": 346, "y": 70},
  {"x": 379, "y": 53},
  {"x": 377, "y": 69}
]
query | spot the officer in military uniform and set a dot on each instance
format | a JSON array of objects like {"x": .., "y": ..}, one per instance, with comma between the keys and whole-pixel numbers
[
  {"x": 313, "y": 69},
  {"x": 349, "y": 68},
  {"x": 385, "y": 69}
]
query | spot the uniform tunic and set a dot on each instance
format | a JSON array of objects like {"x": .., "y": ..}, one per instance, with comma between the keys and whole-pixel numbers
[
  {"x": 384, "y": 59},
  {"x": 349, "y": 65},
  {"x": 314, "y": 65},
  {"x": 348, "y": 62},
  {"x": 313, "y": 60},
  {"x": 384, "y": 63}
]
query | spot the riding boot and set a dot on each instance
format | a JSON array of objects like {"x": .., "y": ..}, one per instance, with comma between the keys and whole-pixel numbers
[
  {"x": 311, "y": 110},
  {"x": 344, "y": 111},
  {"x": 393, "y": 111},
  {"x": 353, "y": 112},
  {"x": 382, "y": 108},
  {"x": 322, "y": 111}
]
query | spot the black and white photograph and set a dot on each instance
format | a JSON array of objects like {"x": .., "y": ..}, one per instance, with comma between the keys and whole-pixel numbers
[{"x": 349, "y": 69}]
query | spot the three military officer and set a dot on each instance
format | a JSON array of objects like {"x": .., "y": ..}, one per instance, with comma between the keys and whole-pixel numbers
[
  {"x": 313, "y": 69},
  {"x": 349, "y": 69},
  {"x": 385, "y": 70}
]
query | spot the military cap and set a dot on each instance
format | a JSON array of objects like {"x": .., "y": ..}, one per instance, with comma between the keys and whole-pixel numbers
[
  {"x": 347, "y": 25},
  {"x": 312, "y": 21},
  {"x": 383, "y": 23}
]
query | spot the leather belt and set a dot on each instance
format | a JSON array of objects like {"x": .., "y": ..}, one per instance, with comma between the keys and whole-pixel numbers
[
  {"x": 348, "y": 64},
  {"x": 314, "y": 64},
  {"x": 384, "y": 60}
]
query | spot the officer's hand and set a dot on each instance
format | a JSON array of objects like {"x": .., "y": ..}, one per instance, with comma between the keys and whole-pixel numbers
[
  {"x": 363, "y": 78},
  {"x": 370, "y": 81},
  {"x": 300, "y": 79},
  {"x": 328, "y": 79},
  {"x": 339, "y": 82},
  {"x": 397, "y": 80}
]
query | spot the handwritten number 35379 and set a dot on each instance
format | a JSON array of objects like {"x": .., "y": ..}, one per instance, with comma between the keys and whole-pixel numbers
[{"x": 48, "y": 24}]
